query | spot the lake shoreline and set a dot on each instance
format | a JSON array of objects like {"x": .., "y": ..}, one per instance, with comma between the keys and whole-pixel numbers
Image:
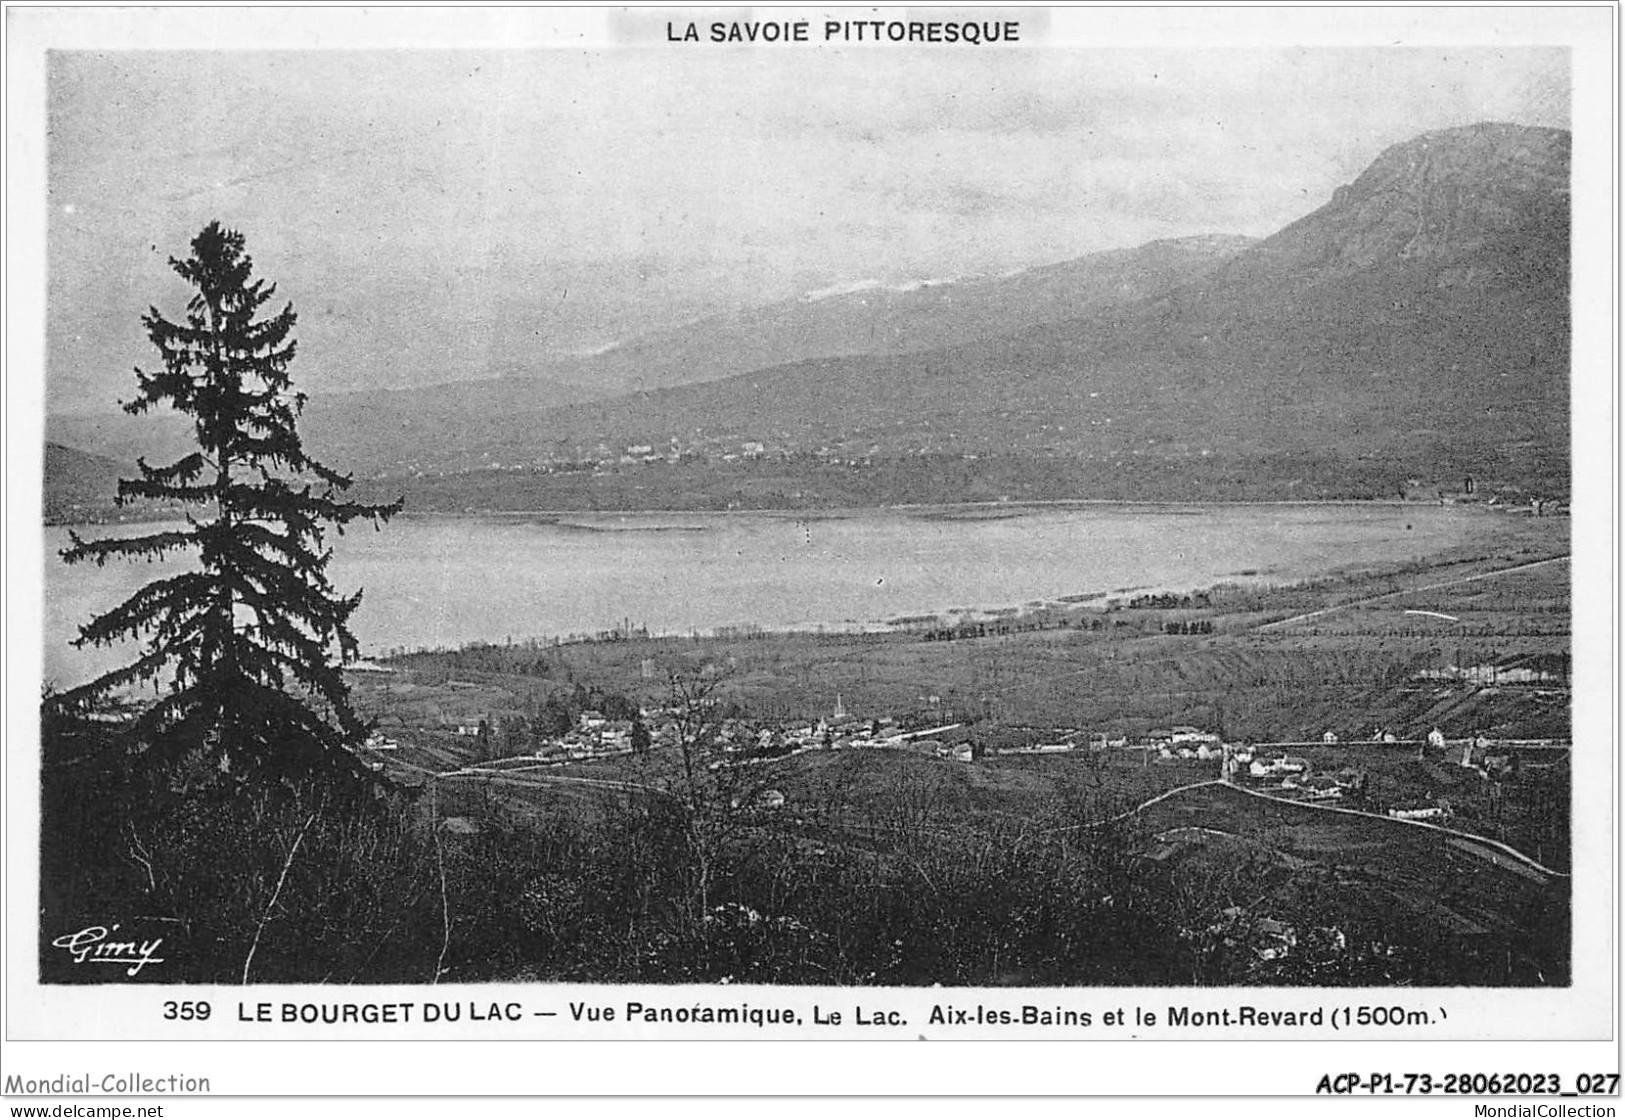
[
  {"x": 441, "y": 581},
  {"x": 1054, "y": 613},
  {"x": 1155, "y": 505},
  {"x": 1158, "y": 505}
]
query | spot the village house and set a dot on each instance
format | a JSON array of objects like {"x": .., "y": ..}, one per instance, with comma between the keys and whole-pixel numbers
[
  {"x": 1278, "y": 766},
  {"x": 616, "y": 735},
  {"x": 1430, "y": 813}
]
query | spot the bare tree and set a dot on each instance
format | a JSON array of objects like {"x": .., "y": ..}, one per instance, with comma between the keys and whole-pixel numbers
[
  {"x": 720, "y": 795},
  {"x": 695, "y": 705}
]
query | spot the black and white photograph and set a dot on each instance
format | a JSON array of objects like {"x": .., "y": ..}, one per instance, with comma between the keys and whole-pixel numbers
[{"x": 754, "y": 522}]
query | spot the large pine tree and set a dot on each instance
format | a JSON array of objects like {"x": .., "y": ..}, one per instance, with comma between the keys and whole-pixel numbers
[{"x": 246, "y": 650}]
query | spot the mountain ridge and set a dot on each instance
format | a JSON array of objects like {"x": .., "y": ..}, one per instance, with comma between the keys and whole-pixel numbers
[
  {"x": 1414, "y": 326},
  {"x": 370, "y": 428}
]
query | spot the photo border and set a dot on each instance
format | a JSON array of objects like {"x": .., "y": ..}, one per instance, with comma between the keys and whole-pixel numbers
[{"x": 74, "y": 1027}]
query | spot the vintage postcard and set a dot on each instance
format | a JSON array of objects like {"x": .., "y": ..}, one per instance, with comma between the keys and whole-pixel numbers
[{"x": 790, "y": 527}]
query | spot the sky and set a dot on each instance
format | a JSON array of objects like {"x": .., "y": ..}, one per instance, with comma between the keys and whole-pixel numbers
[{"x": 436, "y": 215}]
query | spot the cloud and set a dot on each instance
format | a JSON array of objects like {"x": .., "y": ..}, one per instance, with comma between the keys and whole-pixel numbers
[{"x": 433, "y": 212}]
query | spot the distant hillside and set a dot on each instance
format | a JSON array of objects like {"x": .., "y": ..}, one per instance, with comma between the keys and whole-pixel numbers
[
  {"x": 1411, "y": 332},
  {"x": 1415, "y": 328},
  {"x": 364, "y": 432},
  {"x": 468, "y": 424},
  {"x": 79, "y": 486},
  {"x": 872, "y": 319}
]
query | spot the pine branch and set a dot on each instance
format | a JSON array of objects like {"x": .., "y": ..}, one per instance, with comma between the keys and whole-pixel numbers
[
  {"x": 168, "y": 599},
  {"x": 83, "y": 698},
  {"x": 132, "y": 489},
  {"x": 178, "y": 473},
  {"x": 154, "y": 546}
]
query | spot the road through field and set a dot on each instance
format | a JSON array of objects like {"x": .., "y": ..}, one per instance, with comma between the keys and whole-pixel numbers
[
  {"x": 533, "y": 778},
  {"x": 1411, "y": 591},
  {"x": 1026, "y": 685},
  {"x": 1492, "y": 851}
]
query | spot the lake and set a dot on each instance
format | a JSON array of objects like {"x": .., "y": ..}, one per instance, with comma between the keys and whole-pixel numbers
[{"x": 443, "y": 581}]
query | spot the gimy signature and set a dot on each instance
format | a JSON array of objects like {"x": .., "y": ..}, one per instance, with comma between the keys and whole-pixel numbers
[{"x": 93, "y": 944}]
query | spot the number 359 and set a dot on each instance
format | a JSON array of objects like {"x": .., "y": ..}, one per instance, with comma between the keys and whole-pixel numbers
[{"x": 187, "y": 1009}]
